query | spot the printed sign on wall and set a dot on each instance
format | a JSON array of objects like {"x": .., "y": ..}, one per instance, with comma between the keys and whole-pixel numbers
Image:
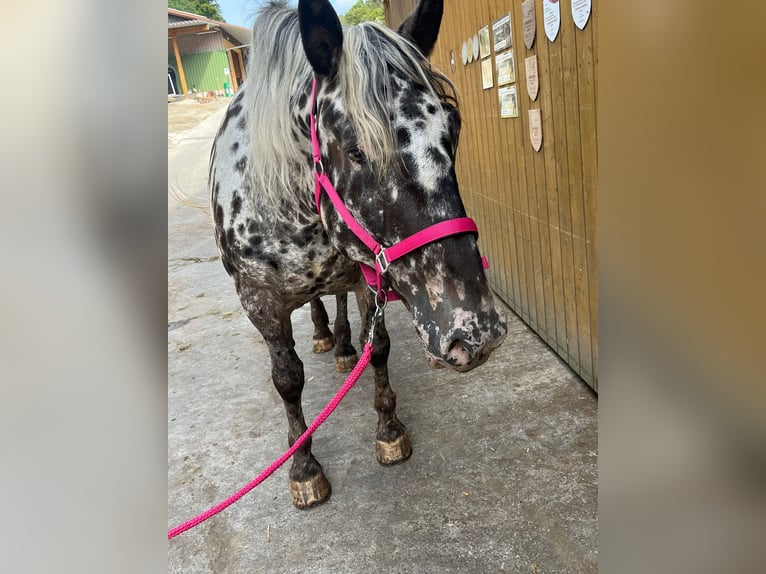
[
  {"x": 501, "y": 29},
  {"x": 486, "y": 73},
  {"x": 551, "y": 18},
  {"x": 533, "y": 83},
  {"x": 528, "y": 23},
  {"x": 506, "y": 72},
  {"x": 581, "y": 12},
  {"x": 484, "y": 42},
  {"x": 509, "y": 106}
]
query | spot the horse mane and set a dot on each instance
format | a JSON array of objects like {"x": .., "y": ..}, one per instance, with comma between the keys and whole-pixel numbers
[{"x": 278, "y": 73}]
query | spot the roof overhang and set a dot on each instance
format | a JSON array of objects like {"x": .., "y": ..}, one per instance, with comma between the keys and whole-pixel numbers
[{"x": 196, "y": 24}]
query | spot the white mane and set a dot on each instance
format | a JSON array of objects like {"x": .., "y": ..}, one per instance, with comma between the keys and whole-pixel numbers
[{"x": 279, "y": 73}]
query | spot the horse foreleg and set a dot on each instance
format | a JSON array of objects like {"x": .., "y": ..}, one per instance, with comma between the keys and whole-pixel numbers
[
  {"x": 308, "y": 483},
  {"x": 392, "y": 443},
  {"x": 323, "y": 339},
  {"x": 345, "y": 354}
]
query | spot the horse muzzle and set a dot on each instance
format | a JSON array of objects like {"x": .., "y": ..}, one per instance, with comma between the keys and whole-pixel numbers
[{"x": 468, "y": 342}]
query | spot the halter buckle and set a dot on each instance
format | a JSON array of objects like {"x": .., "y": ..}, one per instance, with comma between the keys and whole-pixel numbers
[
  {"x": 381, "y": 261},
  {"x": 318, "y": 167}
]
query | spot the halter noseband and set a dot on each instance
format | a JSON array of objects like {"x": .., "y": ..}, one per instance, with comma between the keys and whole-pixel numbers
[{"x": 384, "y": 256}]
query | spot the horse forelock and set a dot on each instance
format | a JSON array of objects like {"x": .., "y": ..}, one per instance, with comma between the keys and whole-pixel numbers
[{"x": 373, "y": 55}]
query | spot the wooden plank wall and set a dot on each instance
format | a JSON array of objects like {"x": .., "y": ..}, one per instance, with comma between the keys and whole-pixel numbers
[{"x": 536, "y": 211}]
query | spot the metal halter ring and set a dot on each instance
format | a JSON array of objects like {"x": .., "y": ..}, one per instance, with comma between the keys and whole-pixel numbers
[{"x": 381, "y": 299}]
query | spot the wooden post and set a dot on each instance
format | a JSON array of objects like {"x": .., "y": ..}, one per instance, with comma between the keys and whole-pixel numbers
[
  {"x": 241, "y": 64},
  {"x": 180, "y": 66},
  {"x": 232, "y": 72}
]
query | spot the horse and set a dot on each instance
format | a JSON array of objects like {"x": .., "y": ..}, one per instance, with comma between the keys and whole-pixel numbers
[{"x": 361, "y": 107}]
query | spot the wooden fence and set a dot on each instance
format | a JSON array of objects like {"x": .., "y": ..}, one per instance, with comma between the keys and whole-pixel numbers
[{"x": 536, "y": 210}]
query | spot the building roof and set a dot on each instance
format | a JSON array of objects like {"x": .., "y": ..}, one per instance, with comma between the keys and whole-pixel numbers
[{"x": 187, "y": 19}]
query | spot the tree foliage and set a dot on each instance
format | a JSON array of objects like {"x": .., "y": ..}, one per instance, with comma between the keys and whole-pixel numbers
[
  {"x": 207, "y": 8},
  {"x": 364, "y": 11}
]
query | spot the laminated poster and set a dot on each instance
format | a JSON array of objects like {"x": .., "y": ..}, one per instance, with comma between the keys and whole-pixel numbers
[
  {"x": 581, "y": 12},
  {"x": 528, "y": 24},
  {"x": 509, "y": 106},
  {"x": 486, "y": 73},
  {"x": 506, "y": 72},
  {"x": 484, "y": 42},
  {"x": 535, "y": 129},
  {"x": 533, "y": 82},
  {"x": 551, "y": 18},
  {"x": 501, "y": 30}
]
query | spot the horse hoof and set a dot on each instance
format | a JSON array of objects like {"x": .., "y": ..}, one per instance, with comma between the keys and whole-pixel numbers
[
  {"x": 323, "y": 345},
  {"x": 346, "y": 364},
  {"x": 310, "y": 492},
  {"x": 397, "y": 450}
]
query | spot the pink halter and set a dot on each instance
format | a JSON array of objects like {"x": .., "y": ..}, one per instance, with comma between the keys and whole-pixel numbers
[{"x": 384, "y": 256}]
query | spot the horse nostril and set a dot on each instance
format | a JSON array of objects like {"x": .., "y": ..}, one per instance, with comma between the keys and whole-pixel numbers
[{"x": 456, "y": 353}]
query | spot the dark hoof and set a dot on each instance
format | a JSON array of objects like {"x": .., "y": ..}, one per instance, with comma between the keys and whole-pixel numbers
[
  {"x": 323, "y": 345},
  {"x": 346, "y": 364},
  {"x": 310, "y": 492},
  {"x": 397, "y": 450}
]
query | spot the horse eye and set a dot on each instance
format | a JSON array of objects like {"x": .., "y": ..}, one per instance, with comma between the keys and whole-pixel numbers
[{"x": 356, "y": 155}]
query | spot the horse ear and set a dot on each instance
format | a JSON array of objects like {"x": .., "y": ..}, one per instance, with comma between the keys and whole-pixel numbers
[
  {"x": 422, "y": 26},
  {"x": 321, "y": 34}
]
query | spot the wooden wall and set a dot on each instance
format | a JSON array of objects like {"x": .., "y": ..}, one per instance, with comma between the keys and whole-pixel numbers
[{"x": 536, "y": 211}]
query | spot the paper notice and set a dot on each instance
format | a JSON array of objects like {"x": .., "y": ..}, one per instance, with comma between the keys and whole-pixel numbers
[
  {"x": 486, "y": 73},
  {"x": 501, "y": 30},
  {"x": 506, "y": 71},
  {"x": 509, "y": 106}
]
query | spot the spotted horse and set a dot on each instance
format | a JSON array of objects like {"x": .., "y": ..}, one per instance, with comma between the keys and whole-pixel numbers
[{"x": 387, "y": 126}]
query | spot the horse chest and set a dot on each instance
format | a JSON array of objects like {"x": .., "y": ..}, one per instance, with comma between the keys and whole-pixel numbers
[{"x": 295, "y": 261}]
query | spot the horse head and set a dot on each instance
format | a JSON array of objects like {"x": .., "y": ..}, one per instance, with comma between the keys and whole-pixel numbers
[{"x": 389, "y": 124}]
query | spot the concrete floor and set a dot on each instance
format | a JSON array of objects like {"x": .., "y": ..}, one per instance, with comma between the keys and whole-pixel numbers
[{"x": 503, "y": 476}]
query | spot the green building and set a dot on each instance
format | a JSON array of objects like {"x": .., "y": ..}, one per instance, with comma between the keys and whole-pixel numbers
[{"x": 205, "y": 55}]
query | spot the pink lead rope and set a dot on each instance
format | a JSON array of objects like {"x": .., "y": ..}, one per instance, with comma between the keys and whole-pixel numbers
[
  {"x": 326, "y": 412},
  {"x": 353, "y": 377}
]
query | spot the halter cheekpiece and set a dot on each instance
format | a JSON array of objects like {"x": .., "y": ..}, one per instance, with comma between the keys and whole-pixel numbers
[{"x": 384, "y": 256}]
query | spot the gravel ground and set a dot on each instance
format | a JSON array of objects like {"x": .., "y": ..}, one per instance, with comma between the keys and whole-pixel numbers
[{"x": 185, "y": 114}]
